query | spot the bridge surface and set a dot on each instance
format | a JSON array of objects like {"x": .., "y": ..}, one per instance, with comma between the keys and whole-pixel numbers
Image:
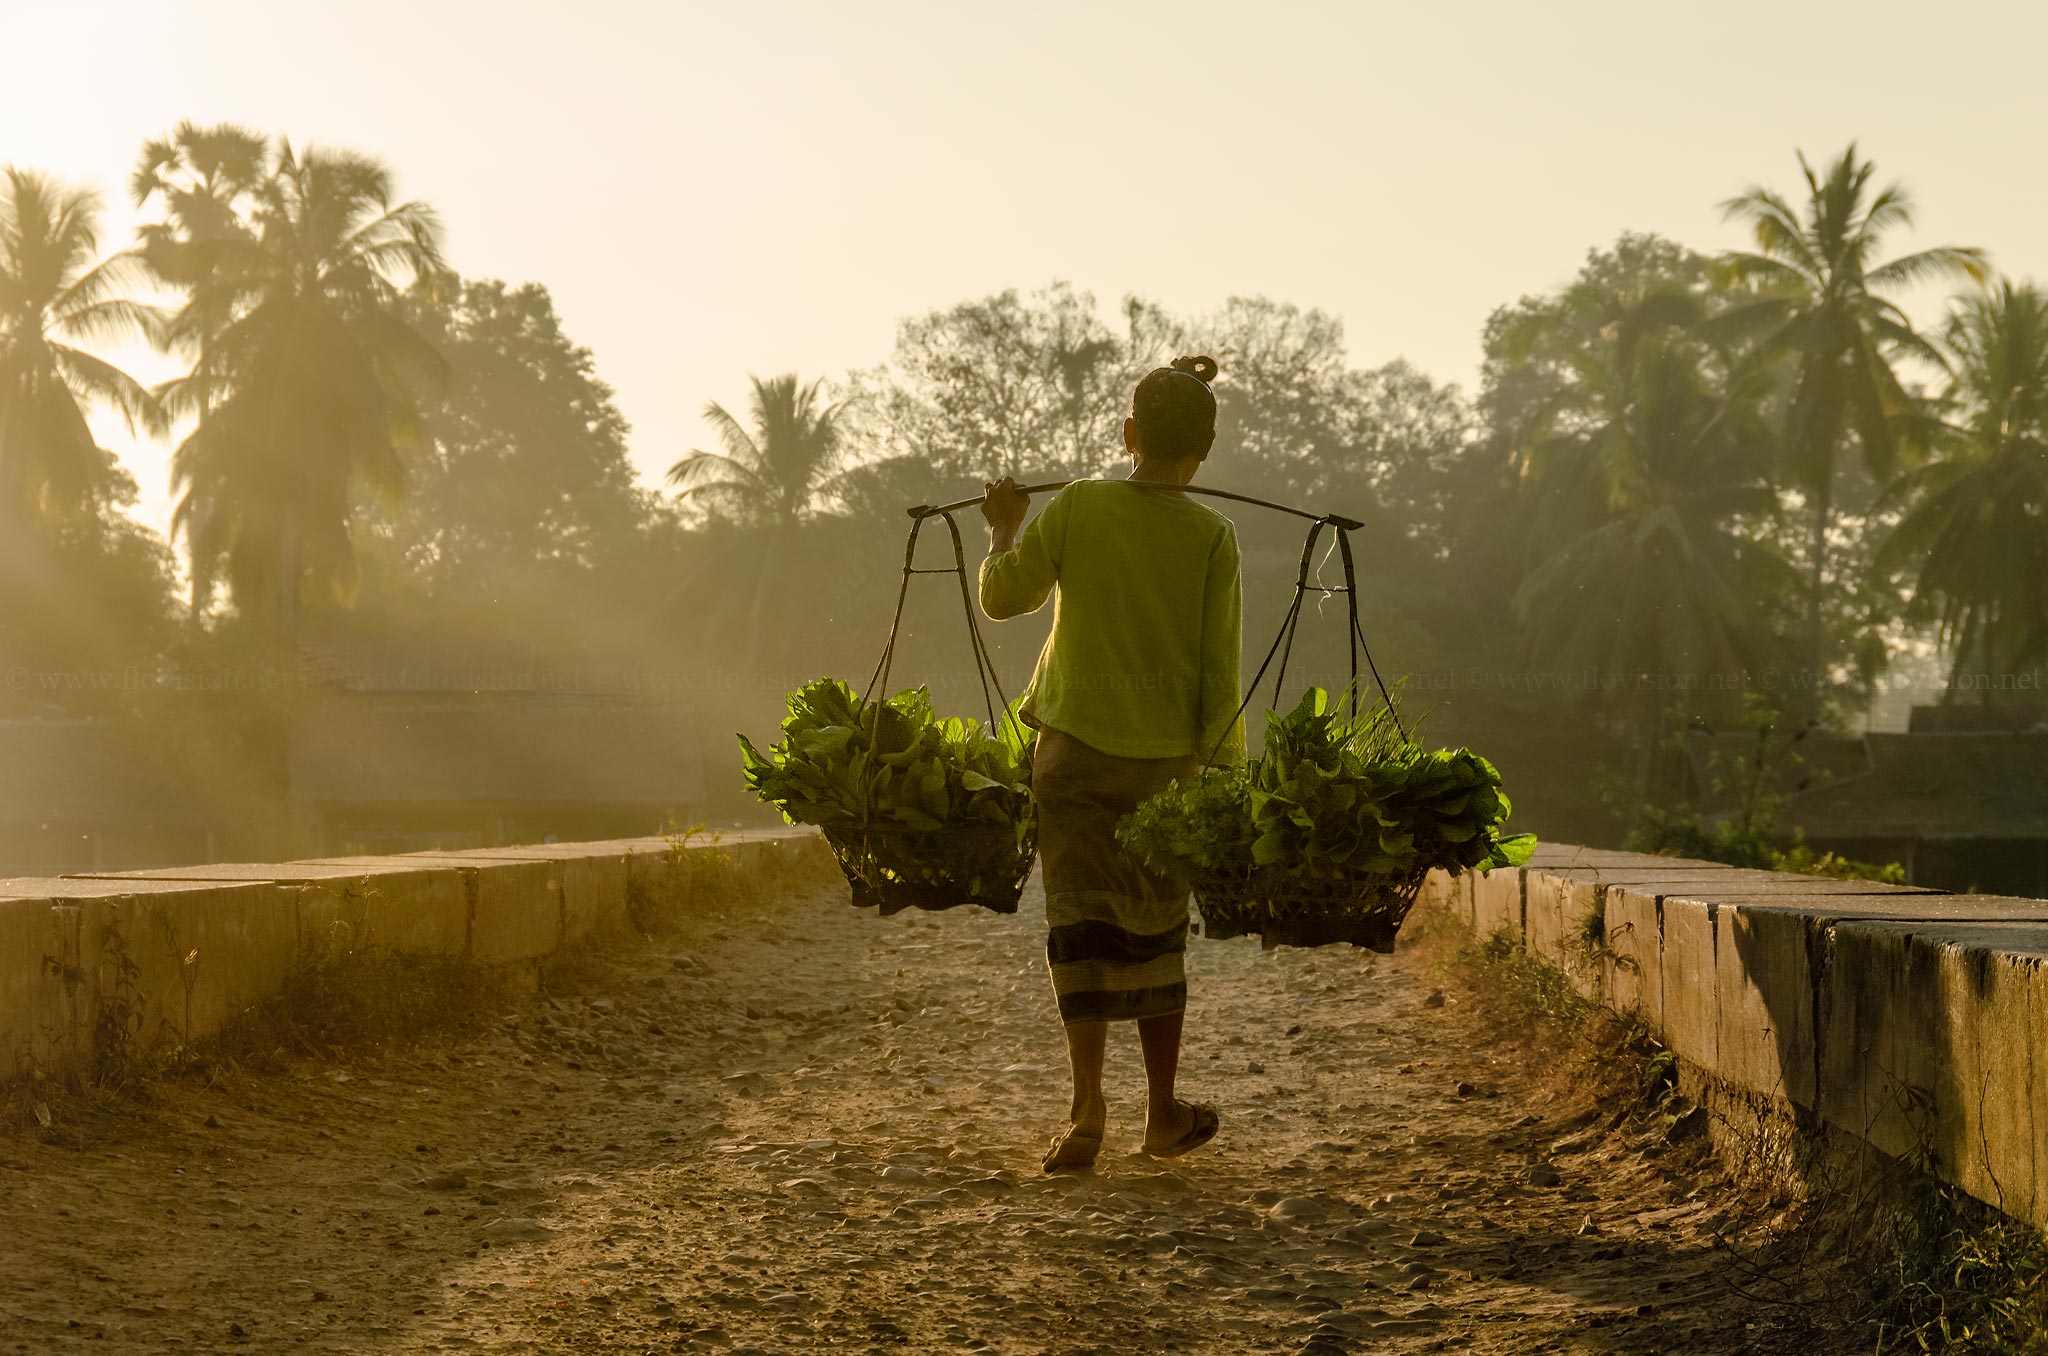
[{"x": 798, "y": 1128}]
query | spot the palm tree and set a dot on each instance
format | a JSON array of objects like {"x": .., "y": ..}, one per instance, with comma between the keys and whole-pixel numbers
[
  {"x": 304, "y": 372},
  {"x": 1822, "y": 299},
  {"x": 56, "y": 295},
  {"x": 776, "y": 473},
  {"x": 772, "y": 476},
  {"x": 1642, "y": 468},
  {"x": 1975, "y": 530},
  {"x": 205, "y": 179}
]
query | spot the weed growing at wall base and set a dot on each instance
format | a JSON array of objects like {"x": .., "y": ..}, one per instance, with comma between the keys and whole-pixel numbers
[
  {"x": 1962, "y": 1278},
  {"x": 341, "y": 997}
]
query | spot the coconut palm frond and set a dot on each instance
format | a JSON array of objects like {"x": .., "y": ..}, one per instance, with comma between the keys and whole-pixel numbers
[
  {"x": 1944, "y": 263},
  {"x": 99, "y": 380}
]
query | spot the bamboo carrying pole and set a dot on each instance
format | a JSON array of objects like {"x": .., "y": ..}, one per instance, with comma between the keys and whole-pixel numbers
[
  {"x": 1283, "y": 644},
  {"x": 1333, "y": 519}
]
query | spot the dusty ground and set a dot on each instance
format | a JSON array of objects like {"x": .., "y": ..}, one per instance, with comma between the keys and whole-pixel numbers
[{"x": 809, "y": 1129}]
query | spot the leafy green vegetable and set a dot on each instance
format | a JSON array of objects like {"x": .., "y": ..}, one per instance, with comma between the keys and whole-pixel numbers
[
  {"x": 1334, "y": 815},
  {"x": 920, "y": 810}
]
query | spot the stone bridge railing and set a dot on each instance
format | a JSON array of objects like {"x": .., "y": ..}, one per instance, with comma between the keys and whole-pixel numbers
[
  {"x": 174, "y": 953},
  {"x": 1909, "y": 1019},
  {"x": 1912, "y": 1020}
]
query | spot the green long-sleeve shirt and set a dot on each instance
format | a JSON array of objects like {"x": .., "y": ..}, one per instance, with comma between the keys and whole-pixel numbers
[{"x": 1147, "y": 630}]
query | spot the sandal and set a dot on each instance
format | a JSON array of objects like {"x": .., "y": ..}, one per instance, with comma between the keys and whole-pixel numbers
[
  {"x": 1076, "y": 1150},
  {"x": 1205, "y": 1125}
]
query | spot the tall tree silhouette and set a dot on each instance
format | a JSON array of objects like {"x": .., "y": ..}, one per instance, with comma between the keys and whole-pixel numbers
[
  {"x": 304, "y": 374},
  {"x": 775, "y": 472},
  {"x": 57, "y": 297},
  {"x": 1641, "y": 467},
  {"x": 1823, "y": 299},
  {"x": 1974, "y": 537},
  {"x": 771, "y": 477}
]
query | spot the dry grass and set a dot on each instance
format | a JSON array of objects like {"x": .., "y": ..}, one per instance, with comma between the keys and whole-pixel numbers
[{"x": 1840, "y": 1241}]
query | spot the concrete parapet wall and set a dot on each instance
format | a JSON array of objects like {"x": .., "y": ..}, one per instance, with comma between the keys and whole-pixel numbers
[
  {"x": 164, "y": 957},
  {"x": 1912, "y": 1020}
]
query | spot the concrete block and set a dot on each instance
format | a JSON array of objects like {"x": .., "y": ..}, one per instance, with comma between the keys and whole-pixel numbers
[
  {"x": 1880, "y": 1021},
  {"x": 1570, "y": 855},
  {"x": 1896, "y": 906},
  {"x": 1772, "y": 953},
  {"x": 1785, "y": 885},
  {"x": 513, "y": 908},
  {"x": 387, "y": 902},
  {"x": 187, "y": 955},
  {"x": 1689, "y": 978},
  {"x": 1452, "y": 894},
  {"x": 45, "y": 992},
  {"x": 659, "y": 876},
  {"x": 1555, "y": 907},
  {"x": 208, "y": 955},
  {"x": 1543, "y": 906},
  {"x": 1765, "y": 981},
  {"x": 1497, "y": 902},
  {"x": 1634, "y": 941},
  {"x": 181, "y": 957},
  {"x": 1995, "y": 1002},
  {"x": 1931, "y": 1050},
  {"x": 593, "y": 880}
]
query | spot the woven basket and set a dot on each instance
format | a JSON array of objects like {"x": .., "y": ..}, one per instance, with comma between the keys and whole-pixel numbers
[
  {"x": 894, "y": 869},
  {"x": 1284, "y": 909}
]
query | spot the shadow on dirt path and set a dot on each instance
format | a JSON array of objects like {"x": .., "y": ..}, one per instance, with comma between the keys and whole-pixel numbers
[{"x": 805, "y": 1129}]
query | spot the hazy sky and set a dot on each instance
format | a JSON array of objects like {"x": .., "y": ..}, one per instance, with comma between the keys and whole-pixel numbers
[{"x": 714, "y": 190}]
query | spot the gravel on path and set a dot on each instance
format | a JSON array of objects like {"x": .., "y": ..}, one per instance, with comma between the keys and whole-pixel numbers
[{"x": 798, "y": 1128}]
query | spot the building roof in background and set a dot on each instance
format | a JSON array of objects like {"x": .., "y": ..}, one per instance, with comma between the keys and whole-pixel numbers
[
  {"x": 1972, "y": 718},
  {"x": 506, "y": 750},
  {"x": 1907, "y": 786},
  {"x": 1720, "y": 762}
]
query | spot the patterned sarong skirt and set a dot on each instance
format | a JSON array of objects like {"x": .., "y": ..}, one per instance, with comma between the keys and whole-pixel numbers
[{"x": 1116, "y": 934}]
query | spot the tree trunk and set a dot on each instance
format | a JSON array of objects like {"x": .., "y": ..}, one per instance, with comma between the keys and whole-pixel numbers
[
  {"x": 286, "y": 603},
  {"x": 1990, "y": 659},
  {"x": 757, "y": 614},
  {"x": 1651, "y": 721},
  {"x": 1808, "y": 704}
]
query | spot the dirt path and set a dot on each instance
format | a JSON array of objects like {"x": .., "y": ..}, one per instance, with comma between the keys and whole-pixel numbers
[{"x": 815, "y": 1130}]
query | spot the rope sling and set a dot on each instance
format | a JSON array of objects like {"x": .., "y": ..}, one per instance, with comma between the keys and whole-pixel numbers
[
  {"x": 1229, "y": 907},
  {"x": 1283, "y": 642}
]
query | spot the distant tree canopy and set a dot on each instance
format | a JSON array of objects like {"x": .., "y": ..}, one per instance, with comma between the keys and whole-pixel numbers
[
  {"x": 520, "y": 504},
  {"x": 1678, "y": 470},
  {"x": 1003, "y": 386},
  {"x": 774, "y": 472},
  {"x": 87, "y": 590},
  {"x": 521, "y": 466},
  {"x": 305, "y": 377},
  {"x": 1973, "y": 536},
  {"x": 1039, "y": 386}
]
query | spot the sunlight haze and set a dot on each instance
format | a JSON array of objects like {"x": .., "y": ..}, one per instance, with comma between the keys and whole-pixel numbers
[{"x": 713, "y": 191}]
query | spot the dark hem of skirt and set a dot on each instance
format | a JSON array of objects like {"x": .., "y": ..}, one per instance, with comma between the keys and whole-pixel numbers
[{"x": 1123, "y": 1005}]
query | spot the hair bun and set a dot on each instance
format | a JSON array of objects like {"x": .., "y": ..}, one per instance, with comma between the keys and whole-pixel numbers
[{"x": 1202, "y": 368}]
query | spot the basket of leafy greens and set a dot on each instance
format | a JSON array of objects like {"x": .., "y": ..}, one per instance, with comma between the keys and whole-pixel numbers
[
  {"x": 1328, "y": 834},
  {"x": 920, "y": 811}
]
